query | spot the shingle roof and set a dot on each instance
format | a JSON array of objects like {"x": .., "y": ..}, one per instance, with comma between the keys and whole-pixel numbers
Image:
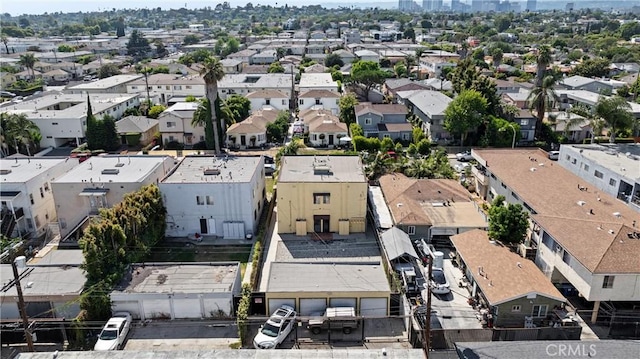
[
  {"x": 523, "y": 278},
  {"x": 384, "y": 109},
  {"x": 257, "y": 122},
  {"x": 552, "y": 192},
  {"x": 266, "y": 94},
  {"x": 135, "y": 124},
  {"x": 319, "y": 94}
]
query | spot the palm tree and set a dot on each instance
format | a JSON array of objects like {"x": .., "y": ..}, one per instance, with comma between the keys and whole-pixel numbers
[
  {"x": 28, "y": 60},
  {"x": 146, "y": 70},
  {"x": 5, "y": 41},
  {"x": 541, "y": 99},
  {"x": 212, "y": 72},
  {"x": 543, "y": 59},
  {"x": 595, "y": 122},
  {"x": 615, "y": 111},
  {"x": 17, "y": 129}
]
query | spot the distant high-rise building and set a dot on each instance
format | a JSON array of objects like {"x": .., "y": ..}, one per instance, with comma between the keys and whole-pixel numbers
[
  {"x": 569, "y": 7},
  {"x": 405, "y": 5},
  {"x": 455, "y": 5},
  {"x": 431, "y": 5},
  {"x": 531, "y": 5},
  {"x": 476, "y": 5}
]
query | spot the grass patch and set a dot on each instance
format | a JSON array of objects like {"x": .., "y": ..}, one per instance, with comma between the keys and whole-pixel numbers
[
  {"x": 269, "y": 183},
  {"x": 236, "y": 345}
]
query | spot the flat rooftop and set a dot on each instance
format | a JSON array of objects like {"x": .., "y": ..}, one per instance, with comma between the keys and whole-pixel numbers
[
  {"x": 59, "y": 257},
  {"x": 44, "y": 281},
  {"x": 105, "y": 83},
  {"x": 213, "y": 169},
  {"x": 322, "y": 277},
  {"x": 181, "y": 278},
  {"x": 321, "y": 169},
  {"x": 57, "y": 105},
  {"x": 21, "y": 170},
  {"x": 614, "y": 157},
  {"x": 130, "y": 169},
  {"x": 281, "y": 81},
  {"x": 317, "y": 80}
]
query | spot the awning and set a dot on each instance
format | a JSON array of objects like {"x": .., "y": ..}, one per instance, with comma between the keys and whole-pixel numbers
[
  {"x": 94, "y": 192},
  {"x": 9, "y": 195}
]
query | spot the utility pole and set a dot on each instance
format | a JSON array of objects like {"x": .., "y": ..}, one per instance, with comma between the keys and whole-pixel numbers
[
  {"x": 427, "y": 324},
  {"x": 23, "y": 311}
]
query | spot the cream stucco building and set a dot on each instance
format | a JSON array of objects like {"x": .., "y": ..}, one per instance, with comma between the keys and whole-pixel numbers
[{"x": 322, "y": 194}]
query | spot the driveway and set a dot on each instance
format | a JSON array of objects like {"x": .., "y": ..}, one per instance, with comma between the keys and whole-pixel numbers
[{"x": 182, "y": 335}]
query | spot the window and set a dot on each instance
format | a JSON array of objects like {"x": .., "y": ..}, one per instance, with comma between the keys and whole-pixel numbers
[
  {"x": 171, "y": 138},
  {"x": 568, "y": 157},
  {"x": 516, "y": 308},
  {"x": 209, "y": 200},
  {"x": 199, "y": 201},
  {"x": 321, "y": 198},
  {"x": 515, "y": 196},
  {"x": 566, "y": 257},
  {"x": 585, "y": 166},
  {"x": 268, "y": 101},
  {"x": 524, "y": 122},
  {"x": 367, "y": 121},
  {"x": 608, "y": 281},
  {"x": 188, "y": 87},
  {"x": 31, "y": 198},
  {"x": 171, "y": 124},
  {"x": 318, "y": 102},
  {"x": 302, "y": 101},
  {"x": 167, "y": 87},
  {"x": 612, "y": 182},
  {"x": 573, "y": 161},
  {"x": 503, "y": 185},
  {"x": 284, "y": 102},
  {"x": 539, "y": 311},
  {"x": 411, "y": 230},
  {"x": 37, "y": 220},
  {"x": 41, "y": 192},
  {"x": 598, "y": 174},
  {"x": 386, "y": 135}
]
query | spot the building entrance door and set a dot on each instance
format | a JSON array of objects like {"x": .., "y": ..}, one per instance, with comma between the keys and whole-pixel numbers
[{"x": 321, "y": 224}]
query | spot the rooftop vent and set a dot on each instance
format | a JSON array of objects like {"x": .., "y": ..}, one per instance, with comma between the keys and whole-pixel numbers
[
  {"x": 119, "y": 164},
  {"x": 581, "y": 203},
  {"x": 211, "y": 171},
  {"x": 617, "y": 214},
  {"x": 5, "y": 171},
  {"x": 110, "y": 171}
]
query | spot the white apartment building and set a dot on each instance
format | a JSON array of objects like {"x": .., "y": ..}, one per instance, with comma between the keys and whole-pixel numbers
[
  {"x": 62, "y": 117},
  {"x": 101, "y": 182},
  {"x": 266, "y": 99},
  {"x": 165, "y": 86},
  {"x": 113, "y": 84},
  {"x": 175, "y": 124},
  {"x": 214, "y": 196},
  {"x": 319, "y": 99},
  {"x": 317, "y": 81},
  {"x": 243, "y": 84},
  {"x": 27, "y": 199}
]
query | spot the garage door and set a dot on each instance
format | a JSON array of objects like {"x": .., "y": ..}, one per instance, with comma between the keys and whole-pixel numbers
[
  {"x": 373, "y": 307},
  {"x": 157, "y": 308},
  {"x": 276, "y": 303},
  {"x": 343, "y": 302},
  {"x": 186, "y": 308},
  {"x": 233, "y": 230},
  {"x": 132, "y": 307},
  {"x": 312, "y": 306}
]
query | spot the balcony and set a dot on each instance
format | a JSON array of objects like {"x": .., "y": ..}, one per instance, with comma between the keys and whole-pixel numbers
[{"x": 481, "y": 175}]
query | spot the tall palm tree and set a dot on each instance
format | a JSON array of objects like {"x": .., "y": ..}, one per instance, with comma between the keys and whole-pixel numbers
[
  {"x": 28, "y": 60},
  {"x": 543, "y": 59},
  {"x": 615, "y": 111},
  {"x": 212, "y": 72},
  {"x": 20, "y": 130},
  {"x": 541, "y": 99}
]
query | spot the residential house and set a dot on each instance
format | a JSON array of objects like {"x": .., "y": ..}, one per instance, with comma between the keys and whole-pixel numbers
[
  {"x": 61, "y": 117},
  {"x": 28, "y": 75},
  {"x": 242, "y": 55},
  {"x": 518, "y": 99},
  {"x": 175, "y": 124},
  {"x": 367, "y": 55},
  {"x": 252, "y": 132},
  {"x": 26, "y": 197},
  {"x": 575, "y": 127},
  {"x": 164, "y": 87},
  {"x": 503, "y": 86},
  {"x": 432, "y": 209},
  {"x": 231, "y": 66},
  {"x": 178, "y": 290},
  {"x": 268, "y": 99},
  {"x": 101, "y": 182},
  {"x": 6, "y": 79},
  {"x": 324, "y": 127},
  {"x": 214, "y": 196},
  {"x": 56, "y": 56},
  {"x": 56, "y": 76},
  {"x": 315, "y": 99},
  {"x": 117, "y": 84},
  {"x": 384, "y": 120},
  {"x": 264, "y": 57},
  {"x": 351, "y": 36},
  {"x": 316, "y": 69},
  {"x": 347, "y": 57},
  {"x": 584, "y": 240},
  {"x": 586, "y": 84},
  {"x": 311, "y": 81},
  {"x": 316, "y": 51},
  {"x": 611, "y": 168},
  {"x": 428, "y": 106},
  {"x": 527, "y": 122},
  {"x": 437, "y": 84},
  {"x": 398, "y": 247},
  {"x": 325, "y": 194},
  {"x": 141, "y": 128},
  {"x": 512, "y": 288},
  {"x": 433, "y": 65},
  {"x": 393, "y": 86},
  {"x": 243, "y": 84}
]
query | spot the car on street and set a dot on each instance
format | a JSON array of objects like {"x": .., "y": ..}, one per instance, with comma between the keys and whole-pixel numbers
[
  {"x": 114, "y": 333},
  {"x": 464, "y": 156},
  {"x": 7, "y": 94},
  {"x": 276, "y": 329},
  {"x": 438, "y": 282}
]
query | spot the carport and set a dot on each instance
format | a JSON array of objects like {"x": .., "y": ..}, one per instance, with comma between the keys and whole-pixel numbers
[{"x": 397, "y": 246}]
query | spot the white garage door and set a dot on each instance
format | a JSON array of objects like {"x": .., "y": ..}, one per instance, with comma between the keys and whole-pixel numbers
[
  {"x": 186, "y": 308},
  {"x": 276, "y": 303},
  {"x": 343, "y": 302},
  {"x": 157, "y": 308},
  {"x": 132, "y": 307},
  {"x": 233, "y": 230},
  {"x": 312, "y": 306},
  {"x": 373, "y": 307}
]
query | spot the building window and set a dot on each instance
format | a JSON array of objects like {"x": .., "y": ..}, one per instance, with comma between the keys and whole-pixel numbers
[
  {"x": 321, "y": 198},
  {"x": 318, "y": 102},
  {"x": 302, "y": 101},
  {"x": 199, "y": 201},
  {"x": 612, "y": 182},
  {"x": 503, "y": 185},
  {"x": 539, "y": 311},
  {"x": 585, "y": 166},
  {"x": 524, "y": 122},
  {"x": 188, "y": 87},
  {"x": 568, "y": 157},
  {"x": 367, "y": 121},
  {"x": 515, "y": 196},
  {"x": 171, "y": 124},
  {"x": 37, "y": 220},
  {"x": 566, "y": 257},
  {"x": 608, "y": 281},
  {"x": 31, "y": 198},
  {"x": 573, "y": 161},
  {"x": 41, "y": 192},
  {"x": 386, "y": 135},
  {"x": 598, "y": 174},
  {"x": 516, "y": 308},
  {"x": 284, "y": 102},
  {"x": 209, "y": 200},
  {"x": 411, "y": 230}
]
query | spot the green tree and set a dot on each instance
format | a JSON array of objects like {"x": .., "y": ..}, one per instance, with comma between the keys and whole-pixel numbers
[
  {"x": 410, "y": 34},
  {"x": 417, "y": 135},
  {"x": 66, "y": 48},
  {"x": 155, "y": 111},
  {"x": 367, "y": 75},
  {"x": 355, "y": 130},
  {"x": 507, "y": 223},
  {"x": 108, "y": 70},
  {"x": 400, "y": 70},
  {"x": 332, "y": 60},
  {"x": 543, "y": 59},
  {"x": 138, "y": 46},
  {"x": 277, "y": 130},
  {"x": 237, "y": 108},
  {"x": 212, "y": 72},
  {"x": 111, "y": 139},
  {"x": 5, "y": 42},
  {"x": 465, "y": 113},
  {"x": 629, "y": 30},
  {"x": 93, "y": 133},
  {"x": 190, "y": 39},
  {"x": 616, "y": 113},
  {"x": 592, "y": 68},
  {"x": 19, "y": 131},
  {"x": 28, "y": 60},
  {"x": 347, "y": 104},
  {"x": 120, "y": 27},
  {"x": 275, "y": 68},
  {"x": 541, "y": 99}
]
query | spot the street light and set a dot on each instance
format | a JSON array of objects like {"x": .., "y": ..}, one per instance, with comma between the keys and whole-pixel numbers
[{"x": 513, "y": 142}]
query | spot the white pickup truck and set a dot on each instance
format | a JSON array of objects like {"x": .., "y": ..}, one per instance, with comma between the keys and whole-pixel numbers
[{"x": 343, "y": 318}]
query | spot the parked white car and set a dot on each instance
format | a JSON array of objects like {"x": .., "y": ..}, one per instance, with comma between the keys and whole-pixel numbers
[
  {"x": 114, "y": 333},
  {"x": 438, "y": 282},
  {"x": 276, "y": 329},
  {"x": 464, "y": 156}
]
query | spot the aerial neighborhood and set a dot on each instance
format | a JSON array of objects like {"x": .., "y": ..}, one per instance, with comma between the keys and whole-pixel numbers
[{"x": 444, "y": 179}]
